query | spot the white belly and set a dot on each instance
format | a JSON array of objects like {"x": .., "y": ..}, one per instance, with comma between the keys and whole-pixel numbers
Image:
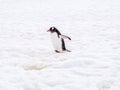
[{"x": 57, "y": 44}]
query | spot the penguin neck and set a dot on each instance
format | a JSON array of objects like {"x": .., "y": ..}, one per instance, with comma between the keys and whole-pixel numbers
[{"x": 56, "y": 33}]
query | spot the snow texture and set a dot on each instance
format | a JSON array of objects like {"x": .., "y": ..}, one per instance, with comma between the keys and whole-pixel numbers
[{"x": 27, "y": 57}]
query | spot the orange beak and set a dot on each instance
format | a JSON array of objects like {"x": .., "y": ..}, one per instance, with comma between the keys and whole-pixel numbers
[{"x": 48, "y": 30}]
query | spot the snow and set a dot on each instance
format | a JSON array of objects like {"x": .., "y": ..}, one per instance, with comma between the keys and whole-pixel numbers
[{"x": 27, "y": 57}]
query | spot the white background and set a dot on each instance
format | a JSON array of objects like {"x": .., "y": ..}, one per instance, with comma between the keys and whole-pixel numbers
[{"x": 27, "y": 57}]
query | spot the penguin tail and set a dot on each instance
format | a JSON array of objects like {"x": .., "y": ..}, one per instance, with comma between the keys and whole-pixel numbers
[{"x": 67, "y": 50}]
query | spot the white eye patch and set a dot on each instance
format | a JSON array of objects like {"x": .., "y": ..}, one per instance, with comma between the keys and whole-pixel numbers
[{"x": 52, "y": 28}]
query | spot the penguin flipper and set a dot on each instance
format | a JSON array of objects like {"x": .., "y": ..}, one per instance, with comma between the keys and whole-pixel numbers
[{"x": 65, "y": 37}]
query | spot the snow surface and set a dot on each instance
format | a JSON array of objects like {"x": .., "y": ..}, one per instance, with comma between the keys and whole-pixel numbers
[{"x": 27, "y": 57}]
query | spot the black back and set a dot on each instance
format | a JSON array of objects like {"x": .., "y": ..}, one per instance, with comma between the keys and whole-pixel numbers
[{"x": 63, "y": 45}]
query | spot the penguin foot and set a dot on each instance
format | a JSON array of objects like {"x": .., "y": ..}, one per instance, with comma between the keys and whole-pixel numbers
[
  {"x": 57, "y": 51},
  {"x": 61, "y": 52}
]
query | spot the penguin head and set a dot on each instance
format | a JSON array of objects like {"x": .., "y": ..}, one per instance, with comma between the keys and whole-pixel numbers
[{"x": 52, "y": 30}]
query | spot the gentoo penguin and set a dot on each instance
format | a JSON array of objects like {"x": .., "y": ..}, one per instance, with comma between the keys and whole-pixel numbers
[{"x": 58, "y": 40}]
